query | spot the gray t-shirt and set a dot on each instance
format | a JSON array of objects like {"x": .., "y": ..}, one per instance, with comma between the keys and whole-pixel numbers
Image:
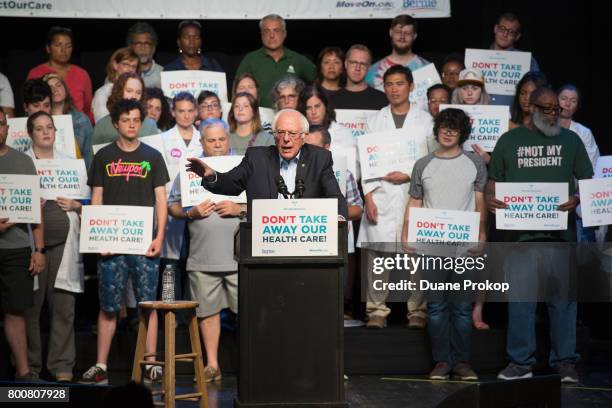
[
  {"x": 14, "y": 162},
  {"x": 240, "y": 144},
  {"x": 399, "y": 120},
  {"x": 448, "y": 183},
  {"x": 211, "y": 243}
]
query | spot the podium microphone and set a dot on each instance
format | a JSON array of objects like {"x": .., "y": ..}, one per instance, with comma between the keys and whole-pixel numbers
[
  {"x": 299, "y": 188},
  {"x": 282, "y": 187}
]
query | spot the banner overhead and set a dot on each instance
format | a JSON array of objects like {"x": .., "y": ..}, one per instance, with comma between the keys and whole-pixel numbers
[{"x": 224, "y": 10}]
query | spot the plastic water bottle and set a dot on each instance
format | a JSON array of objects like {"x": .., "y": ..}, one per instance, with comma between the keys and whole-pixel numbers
[{"x": 168, "y": 283}]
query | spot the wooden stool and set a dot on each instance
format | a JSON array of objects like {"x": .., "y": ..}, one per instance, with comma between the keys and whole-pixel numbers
[{"x": 169, "y": 381}]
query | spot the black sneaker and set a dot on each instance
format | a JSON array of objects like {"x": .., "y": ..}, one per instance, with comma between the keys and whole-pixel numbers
[
  {"x": 464, "y": 372},
  {"x": 515, "y": 372},
  {"x": 567, "y": 372},
  {"x": 31, "y": 377},
  {"x": 94, "y": 376},
  {"x": 440, "y": 372}
]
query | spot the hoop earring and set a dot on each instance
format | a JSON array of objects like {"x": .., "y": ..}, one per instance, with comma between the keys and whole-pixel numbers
[{"x": 180, "y": 50}]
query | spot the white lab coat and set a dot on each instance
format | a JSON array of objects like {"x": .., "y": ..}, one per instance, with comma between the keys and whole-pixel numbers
[
  {"x": 71, "y": 273},
  {"x": 175, "y": 153},
  {"x": 391, "y": 199}
]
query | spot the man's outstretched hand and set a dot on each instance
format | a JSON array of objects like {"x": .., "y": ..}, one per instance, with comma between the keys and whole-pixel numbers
[{"x": 198, "y": 167}]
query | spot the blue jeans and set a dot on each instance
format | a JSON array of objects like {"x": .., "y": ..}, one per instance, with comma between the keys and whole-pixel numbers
[
  {"x": 521, "y": 338},
  {"x": 450, "y": 331}
]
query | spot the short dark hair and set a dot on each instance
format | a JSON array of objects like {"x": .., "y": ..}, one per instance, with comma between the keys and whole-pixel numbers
[
  {"x": 126, "y": 106},
  {"x": 455, "y": 57},
  {"x": 316, "y": 91},
  {"x": 36, "y": 90},
  {"x": 404, "y": 20},
  {"x": 510, "y": 17},
  {"x": 57, "y": 30},
  {"x": 435, "y": 87},
  {"x": 183, "y": 96},
  {"x": 188, "y": 23},
  {"x": 141, "y": 27},
  {"x": 538, "y": 79},
  {"x": 399, "y": 69},
  {"x": 571, "y": 87},
  {"x": 538, "y": 92},
  {"x": 207, "y": 94},
  {"x": 454, "y": 119},
  {"x": 33, "y": 117},
  {"x": 326, "y": 136}
]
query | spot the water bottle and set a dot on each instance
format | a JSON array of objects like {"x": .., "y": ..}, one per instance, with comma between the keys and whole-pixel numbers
[{"x": 168, "y": 283}]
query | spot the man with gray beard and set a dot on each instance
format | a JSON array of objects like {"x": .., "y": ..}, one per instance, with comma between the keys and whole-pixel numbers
[{"x": 544, "y": 152}]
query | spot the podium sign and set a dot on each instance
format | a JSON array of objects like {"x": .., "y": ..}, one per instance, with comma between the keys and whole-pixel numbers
[{"x": 305, "y": 227}]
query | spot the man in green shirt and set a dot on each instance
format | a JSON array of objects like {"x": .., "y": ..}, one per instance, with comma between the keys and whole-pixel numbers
[
  {"x": 541, "y": 151},
  {"x": 274, "y": 60}
]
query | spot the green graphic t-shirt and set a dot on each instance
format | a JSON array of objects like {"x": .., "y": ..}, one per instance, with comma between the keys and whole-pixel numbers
[{"x": 523, "y": 155}]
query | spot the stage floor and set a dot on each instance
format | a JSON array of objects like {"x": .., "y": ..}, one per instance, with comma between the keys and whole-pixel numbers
[{"x": 406, "y": 391}]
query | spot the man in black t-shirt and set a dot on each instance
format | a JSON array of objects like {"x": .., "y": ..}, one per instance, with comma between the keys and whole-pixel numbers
[
  {"x": 357, "y": 94},
  {"x": 127, "y": 172}
]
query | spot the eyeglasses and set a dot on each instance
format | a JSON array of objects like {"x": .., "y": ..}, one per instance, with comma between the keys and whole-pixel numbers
[
  {"x": 549, "y": 109},
  {"x": 356, "y": 64},
  {"x": 282, "y": 133},
  {"x": 212, "y": 106},
  {"x": 449, "y": 132},
  {"x": 507, "y": 31}
]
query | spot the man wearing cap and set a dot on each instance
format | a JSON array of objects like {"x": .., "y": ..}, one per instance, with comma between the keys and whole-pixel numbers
[
  {"x": 269, "y": 63},
  {"x": 507, "y": 32},
  {"x": 403, "y": 33}
]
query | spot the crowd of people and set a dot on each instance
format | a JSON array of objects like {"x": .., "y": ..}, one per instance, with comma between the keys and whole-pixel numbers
[{"x": 198, "y": 240}]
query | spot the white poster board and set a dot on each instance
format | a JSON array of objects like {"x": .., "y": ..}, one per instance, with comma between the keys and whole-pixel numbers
[
  {"x": 392, "y": 150},
  {"x": 603, "y": 167},
  {"x": 192, "y": 192},
  {"x": 502, "y": 70},
  {"x": 116, "y": 229},
  {"x": 63, "y": 178},
  {"x": 194, "y": 82},
  {"x": 306, "y": 227},
  {"x": 489, "y": 122},
  {"x": 20, "y": 198},
  {"x": 596, "y": 201},
  {"x": 340, "y": 167},
  {"x": 354, "y": 120},
  {"x": 531, "y": 206},
  {"x": 423, "y": 77},
  {"x": 19, "y": 139}
]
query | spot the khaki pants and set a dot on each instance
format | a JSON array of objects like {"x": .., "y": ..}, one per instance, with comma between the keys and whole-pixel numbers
[{"x": 61, "y": 353}]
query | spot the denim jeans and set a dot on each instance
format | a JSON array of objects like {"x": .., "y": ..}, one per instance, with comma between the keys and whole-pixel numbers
[{"x": 450, "y": 331}]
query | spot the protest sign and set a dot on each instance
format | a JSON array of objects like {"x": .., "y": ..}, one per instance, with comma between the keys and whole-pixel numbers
[
  {"x": 20, "y": 198},
  {"x": 19, "y": 139},
  {"x": 596, "y": 201},
  {"x": 116, "y": 229},
  {"x": 354, "y": 120},
  {"x": 306, "y": 227},
  {"x": 502, "y": 70},
  {"x": 531, "y": 206},
  {"x": 194, "y": 82},
  {"x": 62, "y": 178},
  {"x": 423, "y": 77},
  {"x": 489, "y": 122},
  {"x": 192, "y": 192}
]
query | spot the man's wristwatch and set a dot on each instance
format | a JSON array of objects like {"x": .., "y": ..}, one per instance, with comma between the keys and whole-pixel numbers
[
  {"x": 42, "y": 250},
  {"x": 242, "y": 215}
]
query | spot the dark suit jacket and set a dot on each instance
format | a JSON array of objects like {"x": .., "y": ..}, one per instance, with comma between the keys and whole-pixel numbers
[{"x": 260, "y": 168}]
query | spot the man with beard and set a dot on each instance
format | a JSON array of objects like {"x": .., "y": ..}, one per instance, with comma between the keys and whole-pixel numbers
[
  {"x": 403, "y": 33},
  {"x": 540, "y": 151},
  {"x": 141, "y": 38}
]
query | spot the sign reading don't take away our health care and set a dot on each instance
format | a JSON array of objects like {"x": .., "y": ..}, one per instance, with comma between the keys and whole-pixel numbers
[
  {"x": 531, "y": 206},
  {"x": 596, "y": 201},
  {"x": 489, "y": 122},
  {"x": 194, "y": 82},
  {"x": 19, "y": 139},
  {"x": 62, "y": 178},
  {"x": 20, "y": 198},
  {"x": 306, "y": 227},
  {"x": 502, "y": 70},
  {"x": 116, "y": 229}
]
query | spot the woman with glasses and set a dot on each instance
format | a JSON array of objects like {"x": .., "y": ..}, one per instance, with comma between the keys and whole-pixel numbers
[
  {"x": 62, "y": 104},
  {"x": 245, "y": 124},
  {"x": 209, "y": 107},
  {"x": 158, "y": 109},
  {"x": 123, "y": 60},
  {"x": 285, "y": 92}
]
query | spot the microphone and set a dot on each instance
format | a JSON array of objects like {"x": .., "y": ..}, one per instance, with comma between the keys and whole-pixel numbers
[
  {"x": 282, "y": 187},
  {"x": 299, "y": 188}
]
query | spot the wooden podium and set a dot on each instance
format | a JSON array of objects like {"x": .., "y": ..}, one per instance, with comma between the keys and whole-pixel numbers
[{"x": 290, "y": 325}]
